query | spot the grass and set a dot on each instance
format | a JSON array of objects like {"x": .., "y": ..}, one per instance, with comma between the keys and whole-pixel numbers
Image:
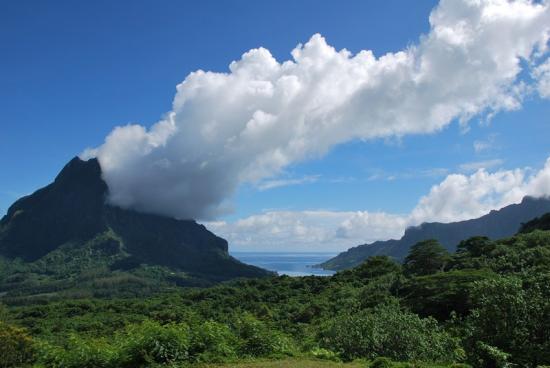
[
  {"x": 306, "y": 363},
  {"x": 288, "y": 363}
]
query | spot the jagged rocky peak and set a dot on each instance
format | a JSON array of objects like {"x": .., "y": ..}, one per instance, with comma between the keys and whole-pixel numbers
[{"x": 81, "y": 173}]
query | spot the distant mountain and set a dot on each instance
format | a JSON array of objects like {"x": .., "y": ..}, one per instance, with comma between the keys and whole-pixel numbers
[
  {"x": 496, "y": 224},
  {"x": 66, "y": 231}
]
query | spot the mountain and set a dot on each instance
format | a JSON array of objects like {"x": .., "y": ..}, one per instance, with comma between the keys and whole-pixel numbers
[
  {"x": 66, "y": 231},
  {"x": 496, "y": 224}
]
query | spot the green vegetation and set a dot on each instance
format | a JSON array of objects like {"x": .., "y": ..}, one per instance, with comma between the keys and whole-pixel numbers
[
  {"x": 16, "y": 346},
  {"x": 426, "y": 257},
  {"x": 487, "y": 305},
  {"x": 540, "y": 223},
  {"x": 316, "y": 363},
  {"x": 388, "y": 331}
]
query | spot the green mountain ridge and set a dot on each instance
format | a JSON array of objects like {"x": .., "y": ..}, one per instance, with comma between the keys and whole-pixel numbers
[
  {"x": 494, "y": 225},
  {"x": 65, "y": 234}
]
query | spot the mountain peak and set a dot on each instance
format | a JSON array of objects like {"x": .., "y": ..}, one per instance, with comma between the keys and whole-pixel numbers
[
  {"x": 69, "y": 208},
  {"x": 80, "y": 169},
  {"x": 80, "y": 175},
  {"x": 72, "y": 211}
]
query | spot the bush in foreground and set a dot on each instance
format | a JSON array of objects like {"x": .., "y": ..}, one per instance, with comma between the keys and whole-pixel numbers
[
  {"x": 151, "y": 343},
  {"x": 259, "y": 340},
  {"x": 16, "y": 346},
  {"x": 387, "y": 331}
]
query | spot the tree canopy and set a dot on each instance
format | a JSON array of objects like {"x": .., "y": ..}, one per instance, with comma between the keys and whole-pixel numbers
[{"x": 426, "y": 257}]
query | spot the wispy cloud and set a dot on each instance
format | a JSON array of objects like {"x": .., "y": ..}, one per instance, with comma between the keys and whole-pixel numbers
[
  {"x": 277, "y": 183},
  {"x": 485, "y": 145},
  {"x": 342, "y": 180},
  {"x": 542, "y": 74},
  {"x": 435, "y": 172},
  {"x": 476, "y": 165}
]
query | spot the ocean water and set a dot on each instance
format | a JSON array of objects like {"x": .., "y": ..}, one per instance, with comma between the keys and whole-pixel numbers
[{"x": 287, "y": 263}]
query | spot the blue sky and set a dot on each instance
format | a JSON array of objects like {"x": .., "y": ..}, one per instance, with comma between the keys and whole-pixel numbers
[{"x": 71, "y": 72}]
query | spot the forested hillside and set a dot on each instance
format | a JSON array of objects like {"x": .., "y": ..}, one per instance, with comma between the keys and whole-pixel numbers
[{"x": 487, "y": 305}]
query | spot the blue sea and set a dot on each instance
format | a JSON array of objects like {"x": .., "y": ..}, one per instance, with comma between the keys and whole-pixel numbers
[{"x": 285, "y": 263}]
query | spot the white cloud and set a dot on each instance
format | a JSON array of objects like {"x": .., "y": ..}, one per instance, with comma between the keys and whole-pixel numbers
[
  {"x": 485, "y": 145},
  {"x": 476, "y": 165},
  {"x": 371, "y": 226},
  {"x": 276, "y": 183},
  {"x": 542, "y": 74},
  {"x": 480, "y": 146},
  {"x": 458, "y": 197},
  {"x": 539, "y": 184},
  {"x": 248, "y": 124},
  {"x": 462, "y": 197},
  {"x": 408, "y": 174},
  {"x": 319, "y": 230}
]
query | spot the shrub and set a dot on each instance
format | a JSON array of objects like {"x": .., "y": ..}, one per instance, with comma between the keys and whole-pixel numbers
[
  {"x": 381, "y": 362},
  {"x": 16, "y": 346},
  {"x": 324, "y": 354},
  {"x": 387, "y": 331},
  {"x": 259, "y": 340},
  {"x": 492, "y": 356},
  {"x": 78, "y": 353},
  {"x": 212, "y": 342},
  {"x": 151, "y": 343},
  {"x": 3, "y": 311}
]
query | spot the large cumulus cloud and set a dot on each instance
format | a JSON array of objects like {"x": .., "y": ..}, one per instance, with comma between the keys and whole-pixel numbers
[{"x": 247, "y": 124}]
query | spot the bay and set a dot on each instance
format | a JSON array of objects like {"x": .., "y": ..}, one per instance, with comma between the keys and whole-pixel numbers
[{"x": 287, "y": 263}]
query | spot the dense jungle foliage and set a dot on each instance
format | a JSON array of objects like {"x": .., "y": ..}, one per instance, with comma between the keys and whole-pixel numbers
[{"x": 487, "y": 305}]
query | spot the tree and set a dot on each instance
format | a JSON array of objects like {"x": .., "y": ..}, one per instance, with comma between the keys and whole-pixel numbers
[
  {"x": 510, "y": 322},
  {"x": 539, "y": 223},
  {"x": 376, "y": 266},
  {"x": 476, "y": 246},
  {"x": 426, "y": 257},
  {"x": 440, "y": 294}
]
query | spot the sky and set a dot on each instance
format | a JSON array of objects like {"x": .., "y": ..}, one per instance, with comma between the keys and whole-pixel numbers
[{"x": 249, "y": 117}]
